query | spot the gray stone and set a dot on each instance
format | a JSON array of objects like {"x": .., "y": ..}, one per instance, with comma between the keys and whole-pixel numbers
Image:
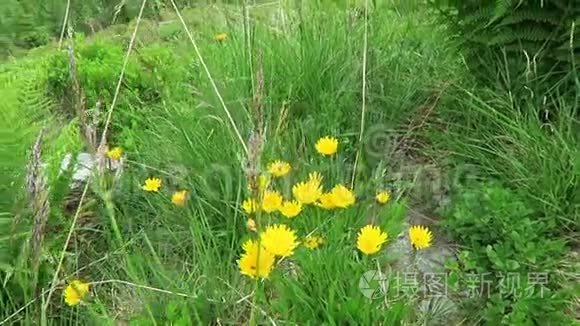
[{"x": 85, "y": 163}]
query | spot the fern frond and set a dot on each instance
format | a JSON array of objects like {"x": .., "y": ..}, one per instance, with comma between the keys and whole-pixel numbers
[
  {"x": 24, "y": 106},
  {"x": 479, "y": 16},
  {"x": 528, "y": 33},
  {"x": 532, "y": 15},
  {"x": 501, "y": 8},
  {"x": 533, "y": 49},
  {"x": 33, "y": 95}
]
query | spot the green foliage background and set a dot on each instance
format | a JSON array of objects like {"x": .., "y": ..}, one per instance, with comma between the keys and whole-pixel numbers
[
  {"x": 500, "y": 76},
  {"x": 528, "y": 45}
]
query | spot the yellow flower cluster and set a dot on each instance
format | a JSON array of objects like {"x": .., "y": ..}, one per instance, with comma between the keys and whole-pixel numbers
[
  {"x": 260, "y": 255},
  {"x": 304, "y": 193},
  {"x": 280, "y": 241},
  {"x": 371, "y": 238}
]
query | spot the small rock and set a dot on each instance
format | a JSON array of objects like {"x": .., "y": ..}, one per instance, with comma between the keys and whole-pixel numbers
[{"x": 85, "y": 162}]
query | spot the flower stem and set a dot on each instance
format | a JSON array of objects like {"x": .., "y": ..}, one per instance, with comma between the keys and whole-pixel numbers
[
  {"x": 419, "y": 273},
  {"x": 260, "y": 196}
]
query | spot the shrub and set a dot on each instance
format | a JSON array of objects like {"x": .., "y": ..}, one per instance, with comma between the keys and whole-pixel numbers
[
  {"x": 150, "y": 73},
  {"x": 31, "y": 23},
  {"x": 513, "y": 249}
]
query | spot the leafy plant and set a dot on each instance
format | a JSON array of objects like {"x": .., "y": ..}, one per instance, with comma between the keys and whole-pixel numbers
[
  {"x": 32, "y": 23},
  {"x": 540, "y": 28},
  {"x": 150, "y": 75},
  {"x": 507, "y": 242},
  {"x": 523, "y": 41}
]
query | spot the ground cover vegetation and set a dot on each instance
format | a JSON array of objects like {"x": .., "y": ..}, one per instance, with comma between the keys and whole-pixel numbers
[{"x": 255, "y": 162}]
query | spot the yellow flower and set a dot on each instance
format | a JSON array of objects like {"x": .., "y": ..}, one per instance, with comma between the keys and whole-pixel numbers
[
  {"x": 75, "y": 292},
  {"x": 315, "y": 177},
  {"x": 370, "y": 239},
  {"x": 251, "y": 224},
  {"x": 325, "y": 201},
  {"x": 115, "y": 153},
  {"x": 420, "y": 237},
  {"x": 307, "y": 192},
  {"x": 279, "y": 240},
  {"x": 152, "y": 184},
  {"x": 272, "y": 201},
  {"x": 313, "y": 242},
  {"x": 342, "y": 196},
  {"x": 263, "y": 183},
  {"x": 327, "y": 145},
  {"x": 279, "y": 168},
  {"x": 178, "y": 198},
  {"x": 383, "y": 197},
  {"x": 220, "y": 37},
  {"x": 250, "y": 206},
  {"x": 256, "y": 261},
  {"x": 248, "y": 245},
  {"x": 291, "y": 209}
]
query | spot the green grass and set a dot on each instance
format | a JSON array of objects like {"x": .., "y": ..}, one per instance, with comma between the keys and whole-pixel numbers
[
  {"x": 152, "y": 262},
  {"x": 517, "y": 208}
]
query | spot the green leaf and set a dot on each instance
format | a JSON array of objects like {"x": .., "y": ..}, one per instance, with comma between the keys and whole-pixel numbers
[
  {"x": 512, "y": 265},
  {"x": 500, "y": 10},
  {"x": 493, "y": 257}
]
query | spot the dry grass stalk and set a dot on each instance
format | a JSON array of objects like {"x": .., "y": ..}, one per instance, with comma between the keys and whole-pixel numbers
[
  {"x": 364, "y": 97},
  {"x": 34, "y": 168},
  {"x": 88, "y": 128},
  {"x": 101, "y": 161},
  {"x": 209, "y": 76},
  {"x": 91, "y": 127},
  {"x": 38, "y": 198},
  {"x": 252, "y": 166},
  {"x": 257, "y": 107},
  {"x": 256, "y": 140}
]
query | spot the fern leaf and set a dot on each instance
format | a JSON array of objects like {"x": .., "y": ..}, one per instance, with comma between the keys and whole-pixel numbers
[
  {"x": 530, "y": 33},
  {"x": 478, "y": 16},
  {"x": 530, "y": 15},
  {"x": 500, "y": 9}
]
